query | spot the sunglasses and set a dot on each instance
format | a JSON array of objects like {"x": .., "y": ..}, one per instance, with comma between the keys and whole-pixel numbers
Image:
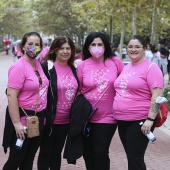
[{"x": 39, "y": 78}]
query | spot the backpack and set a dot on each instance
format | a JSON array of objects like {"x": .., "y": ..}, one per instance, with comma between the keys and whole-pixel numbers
[
  {"x": 163, "y": 111},
  {"x": 162, "y": 115}
]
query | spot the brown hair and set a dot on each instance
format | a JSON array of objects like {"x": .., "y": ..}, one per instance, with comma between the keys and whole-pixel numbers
[
  {"x": 56, "y": 45},
  {"x": 25, "y": 37}
]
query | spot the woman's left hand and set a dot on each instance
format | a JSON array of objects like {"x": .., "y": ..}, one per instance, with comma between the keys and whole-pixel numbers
[{"x": 146, "y": 127}]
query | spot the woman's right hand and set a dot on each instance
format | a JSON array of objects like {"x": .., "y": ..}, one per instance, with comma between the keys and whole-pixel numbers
[
  {"x": 20, "y": 130},
  {"x": 146, "y": 127}
]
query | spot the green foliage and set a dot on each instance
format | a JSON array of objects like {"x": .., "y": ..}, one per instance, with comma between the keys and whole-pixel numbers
[
  {"x": 3, "y": 5},
  {"x": 79, "y": 16},
  {"x": 1, "y": 47},
  {"x": 18, "y": 18},
  {"x": 166, "y": 94}
]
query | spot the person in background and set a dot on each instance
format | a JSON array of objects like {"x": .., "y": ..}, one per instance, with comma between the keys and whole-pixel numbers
[
  {"x": 137, "y": 88},
  {"x": 148, "y": 52},
  {"x": 124, "y": 53},
  {"x": 43, "y": 53},
  {"x": 7, "y": 47},
  {"x": 156, "y": 55},
  {"x": 163, "y": 60},
  {"x": 27, "y": 89},
  {"x": 168, "y": 64},
  {"x": 114, "y": 49},
  {"x": 78, "y": 56},
  {"x": 60, "y": 71},
  {"x": 19, "y": 51},
  {"x": 14, "y": 52},
  {"x": 97, "y": 73}
]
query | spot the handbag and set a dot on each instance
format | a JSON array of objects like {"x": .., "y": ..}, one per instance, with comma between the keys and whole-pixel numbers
[
  {"x": 162, "y": 115},
  {"x": 32, "y": 123}
]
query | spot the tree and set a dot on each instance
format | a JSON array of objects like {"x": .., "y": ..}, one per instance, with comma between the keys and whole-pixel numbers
[{"x": 19, "y": 18}]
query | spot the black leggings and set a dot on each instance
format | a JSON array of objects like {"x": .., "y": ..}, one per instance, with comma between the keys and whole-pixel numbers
[
  {"x": 51, "y": 148},
  {"x": 23, "y": 159},
  {"x": 134, "y": 143},
  {"x": 96, "y": 146}
]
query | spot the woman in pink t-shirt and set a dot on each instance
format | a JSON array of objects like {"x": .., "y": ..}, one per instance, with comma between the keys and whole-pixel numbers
[
  {"x": 137, "y": 88},
  {"x": 60, "y": 71},
  {"x": 97, "y": 73},
  {"x": 43, "y": 53},
  {"x": 27, "y": 90}
]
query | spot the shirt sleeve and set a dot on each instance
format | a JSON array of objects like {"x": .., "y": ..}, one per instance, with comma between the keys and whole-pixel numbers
[
  {"x": 155, "y": 77},
  {"x": 16, "y": 77},
  {"x": 80, "y": 74},
  {"x": 119, "y": 64}
]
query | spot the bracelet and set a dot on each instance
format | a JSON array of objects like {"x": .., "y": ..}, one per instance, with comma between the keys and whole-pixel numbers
[{"x": 148, "y": 118}]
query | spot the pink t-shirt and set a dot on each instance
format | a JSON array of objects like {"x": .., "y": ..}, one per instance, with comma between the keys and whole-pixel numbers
[
  {"x": 66, "y": 89},
  {"x": 133, "y": 90},
  {"x": 19, "y": 53},
  {"x": 43, "y": 53},
  {"x": 96, "y": 83},
  {"x": 21, "y": 76}
]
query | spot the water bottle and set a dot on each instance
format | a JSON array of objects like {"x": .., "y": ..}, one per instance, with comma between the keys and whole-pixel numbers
[
  {"x": 149, "y": 135},
  {"x": 19, "y": 142}
]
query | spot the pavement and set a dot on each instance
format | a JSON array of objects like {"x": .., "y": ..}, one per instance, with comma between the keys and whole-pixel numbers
[{"x": 157, "y": 155}]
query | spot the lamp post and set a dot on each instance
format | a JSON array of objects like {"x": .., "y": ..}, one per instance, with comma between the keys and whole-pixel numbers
[
  {"x": 106, "y": 33},
  {"x": 105, "y": 30}
]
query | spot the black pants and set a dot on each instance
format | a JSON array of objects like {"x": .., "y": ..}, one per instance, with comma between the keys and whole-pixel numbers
[
  {"x": 96, "y": 146},
  {"x": 6, "y": 52},
  {"x": 51, "y": 148},
  {"x": 23, "y": 159},
  {"x": 134, "y": 143}
]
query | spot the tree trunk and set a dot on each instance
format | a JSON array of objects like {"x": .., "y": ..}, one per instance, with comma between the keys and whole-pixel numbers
[
  {"x": 122, "y": 37},
  {"x": 111, "y": 30},
  {"x": 134, "y": 21},
  {"x": 154, "y": 16}
]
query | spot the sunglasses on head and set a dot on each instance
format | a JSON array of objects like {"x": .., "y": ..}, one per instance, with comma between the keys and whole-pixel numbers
[{"x": 39, "y": 78}]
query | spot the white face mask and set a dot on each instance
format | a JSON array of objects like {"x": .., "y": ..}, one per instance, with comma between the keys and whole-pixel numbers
[{"x": 96, "y": 51}]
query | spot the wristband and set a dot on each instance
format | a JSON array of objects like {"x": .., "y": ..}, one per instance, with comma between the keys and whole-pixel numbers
[{"x": 148, "y": 118}]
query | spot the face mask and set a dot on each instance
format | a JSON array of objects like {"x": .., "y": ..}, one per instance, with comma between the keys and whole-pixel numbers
[
  {"x": 32, "y": 51},
  {"x": 96, "y": 51}
]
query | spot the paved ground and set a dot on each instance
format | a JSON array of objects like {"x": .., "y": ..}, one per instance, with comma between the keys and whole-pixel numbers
[{"x": 157, "y": 155}]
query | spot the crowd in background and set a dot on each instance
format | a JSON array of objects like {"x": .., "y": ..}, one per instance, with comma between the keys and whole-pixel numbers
[{"x": 159, "y": 55}]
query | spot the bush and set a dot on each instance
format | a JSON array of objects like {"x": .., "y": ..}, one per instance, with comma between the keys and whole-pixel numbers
[{"x": 1, "y": 47}]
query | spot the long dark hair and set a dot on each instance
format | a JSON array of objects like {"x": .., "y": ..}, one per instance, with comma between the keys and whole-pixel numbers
[
  {"x": 108, "y": 51},
  {"x": 24, "y": 40},
  {"x": 56, "y": 45}
]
